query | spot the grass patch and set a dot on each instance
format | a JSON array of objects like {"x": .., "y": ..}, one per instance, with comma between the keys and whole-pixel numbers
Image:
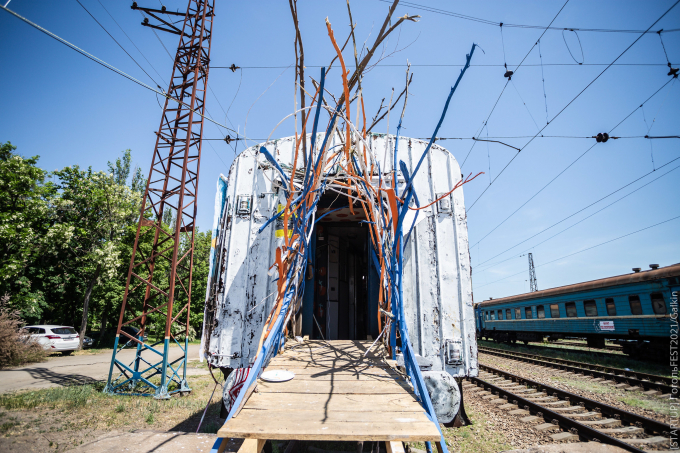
[
  {"x": 661, "y": 406},
  {"x": 68, "y": 397},
  {"x": 483, "y": 436},
  {"x": 52, "y": 410},
  {"x": 586, "y": 385},
  {"x": 4, "y": 427},
  {"x": 568, "y": 353}
]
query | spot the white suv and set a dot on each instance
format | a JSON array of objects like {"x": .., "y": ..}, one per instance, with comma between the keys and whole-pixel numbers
[{"x": 62, "y": 339}]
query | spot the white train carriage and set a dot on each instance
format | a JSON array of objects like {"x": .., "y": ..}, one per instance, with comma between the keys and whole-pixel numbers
[{"x": 341, "y": 291}]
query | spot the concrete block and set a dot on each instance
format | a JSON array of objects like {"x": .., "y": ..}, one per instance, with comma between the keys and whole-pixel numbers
[
  {"x": 546, "y": 427},
  {"x": 563, "y": 437},
  {"x": 507, "y": 406},
  {"x": 530, "y": 419},
  {"x": 519, "y": 412},
  {"x": 623, "y": 432},
  {"x": 602, "y": 423}
]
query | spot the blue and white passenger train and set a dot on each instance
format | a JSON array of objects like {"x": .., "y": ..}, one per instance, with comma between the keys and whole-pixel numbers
[{"x": 636, "y": 309}]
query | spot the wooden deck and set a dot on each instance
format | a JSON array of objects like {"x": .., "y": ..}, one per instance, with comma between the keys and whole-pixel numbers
[{"x": 336, "y": 394}]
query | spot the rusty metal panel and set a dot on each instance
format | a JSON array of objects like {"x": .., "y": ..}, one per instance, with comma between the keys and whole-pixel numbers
[{"x": 437, "y": 286}]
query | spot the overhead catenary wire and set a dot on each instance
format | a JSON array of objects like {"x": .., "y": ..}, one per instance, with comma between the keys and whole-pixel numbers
[
  {"x": 109, "y": 66},
  {"x": 508, "y": 75},
  {"x": 568, "y": 166},
  {"x": 586, "y": 249},
  {"x": 569, "y": 103},
  {"x": 581, "y": 210},
  {"x": 119, "y": 44},
  {"x": 444, "y": 65},
  {"x": 140, "y": 67},
  {"x": 538, "y": 27},
  {"x": 131, "y": 41}
]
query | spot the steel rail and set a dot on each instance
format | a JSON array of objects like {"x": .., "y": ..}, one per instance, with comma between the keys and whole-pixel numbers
[
  {"x": 636, "y": 374},
  {"x": 646, "y": 381},
  {"x": 607, "y": 347},
  {"x": 553, "y": 417},
  {"x": 648, "y": 424},
  {"x": 602, "y": 353}
]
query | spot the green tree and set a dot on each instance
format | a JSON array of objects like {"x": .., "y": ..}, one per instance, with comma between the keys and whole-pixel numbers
[
  {"x": 97, "y": 210},
  {"x": 28, "y": 232}
]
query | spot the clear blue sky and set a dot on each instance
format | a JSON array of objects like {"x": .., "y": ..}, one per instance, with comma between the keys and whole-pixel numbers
[{"x": 69, "y": 110}]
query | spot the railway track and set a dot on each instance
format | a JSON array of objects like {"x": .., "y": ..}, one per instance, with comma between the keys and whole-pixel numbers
[
  {"x": 650, "y": 383},
  {"x": 610, "y": 347},
  {"x": 591, "y": 353},
  {"x": 568, "y": 416}
]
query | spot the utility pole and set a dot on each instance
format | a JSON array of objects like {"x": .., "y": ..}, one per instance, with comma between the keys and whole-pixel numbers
[
  {"x": 533, "y": 284},
  {"x": 159, "y": 277}
]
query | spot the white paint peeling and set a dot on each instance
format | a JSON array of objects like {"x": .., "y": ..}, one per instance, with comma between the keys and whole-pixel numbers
[{"x": 437, "y": 286}]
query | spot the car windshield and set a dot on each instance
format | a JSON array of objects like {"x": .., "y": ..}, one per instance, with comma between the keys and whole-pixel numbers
[{"x": 64, "y": 331}]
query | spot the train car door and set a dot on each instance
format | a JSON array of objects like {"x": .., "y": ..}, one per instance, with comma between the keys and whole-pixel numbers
[{"x": 333, "y": 287}]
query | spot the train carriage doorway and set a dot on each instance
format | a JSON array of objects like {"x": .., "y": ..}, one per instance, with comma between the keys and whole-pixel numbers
[{"x": 343, "y": 299}]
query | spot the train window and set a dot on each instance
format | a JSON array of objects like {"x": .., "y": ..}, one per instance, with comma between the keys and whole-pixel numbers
[
  {"x": 635, "y": 306},
  {"x": 658, "y": 304},
  {"x": 487, "y": 315},
  {"x": 571, "y": 309},
  {"x": 493, "y": 315},
  {"x": 554, "y": 310},
  {"x": 507, "y": 314},
  {"x": 500, "y": 314},
  {"x": 590, "y": 307},
  {"x": 527, "y": 312},
  {"x": 540, "y": 312},
  {"x": 518, "y": 313},
  {"x": 611, "y": 306}
]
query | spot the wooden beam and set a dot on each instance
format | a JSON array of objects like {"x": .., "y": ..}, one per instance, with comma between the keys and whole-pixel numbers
[
  {"x": 394, "y": 447},
  {"x": 251, "y": 446}
]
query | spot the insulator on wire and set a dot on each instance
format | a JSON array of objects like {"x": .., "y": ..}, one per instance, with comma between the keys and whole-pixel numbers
[
  {"x": 508, "y": 74},
  {"x": 134, "y": 5},
  {"x": 673, "y": 72},
  {"x": 602, "y": 137}
]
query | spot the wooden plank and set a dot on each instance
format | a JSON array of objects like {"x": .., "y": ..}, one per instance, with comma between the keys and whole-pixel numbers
[
  {"x": 320, "y": 414},
  {"x": 356, "y": 403},
  {"x": 329, "y": 387},
  {"x": 336, "y": 371},
  {"x": 330, "y": 375},
  {"x": 287, "y": 429},
  {"x": 330, "y": 362}
]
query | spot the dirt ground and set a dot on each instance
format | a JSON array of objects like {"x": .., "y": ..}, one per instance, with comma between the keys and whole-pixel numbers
[{"x": 62, "y": 418}]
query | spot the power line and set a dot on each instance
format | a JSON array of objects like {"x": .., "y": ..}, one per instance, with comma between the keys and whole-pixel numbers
[
  {"x": 108, "y": 66},
  {"x": 451, "y": 65},
  {"x": 567, "y": 167},
  {"x": 538, "y": 27},
  {"x": 581, "y": 210},
  {"x": 569, "y": 103},
  {"x": 509, "y": 75},
  {"x": 119, "y": 45},
  {"x": 130, "y": 39},
  {"x": 584, "y": 250}
]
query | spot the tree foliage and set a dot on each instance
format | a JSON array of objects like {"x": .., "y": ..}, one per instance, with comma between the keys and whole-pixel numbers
[{"x": 66, "y": 239}]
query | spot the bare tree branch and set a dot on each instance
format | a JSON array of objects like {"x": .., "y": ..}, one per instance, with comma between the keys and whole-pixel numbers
[
  {"x": 375, "y": 122},
  {"x": 300, "y": 71}
]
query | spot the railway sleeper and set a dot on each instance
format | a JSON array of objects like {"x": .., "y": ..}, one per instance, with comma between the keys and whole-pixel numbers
[{"x": 624, "y": 431}]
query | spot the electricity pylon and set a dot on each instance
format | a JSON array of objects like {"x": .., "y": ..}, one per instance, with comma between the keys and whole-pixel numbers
[
  {"x": 533, "y": 284},
  {"x": 162, "y": 258}
]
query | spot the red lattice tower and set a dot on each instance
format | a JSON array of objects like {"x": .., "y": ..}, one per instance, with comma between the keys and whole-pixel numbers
[{"x": 162, "y": 258}]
